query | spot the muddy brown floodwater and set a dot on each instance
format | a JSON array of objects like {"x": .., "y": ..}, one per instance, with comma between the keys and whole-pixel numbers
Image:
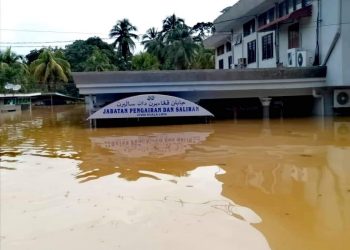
[{"x": 246, "y": 184}]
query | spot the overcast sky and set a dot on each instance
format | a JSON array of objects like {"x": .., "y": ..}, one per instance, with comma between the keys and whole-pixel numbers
[{"x": 84, "y": 19}]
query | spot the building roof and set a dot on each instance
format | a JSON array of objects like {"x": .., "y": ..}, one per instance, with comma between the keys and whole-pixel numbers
[
  {"x": 216, "y": 39},
  {"x": 239, "y": 13}
]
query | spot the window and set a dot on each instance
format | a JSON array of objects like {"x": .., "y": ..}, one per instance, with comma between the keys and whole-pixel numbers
[
  {"x": 221, "y": 64},
  {"x": 283, "y": 9},
  {"x": 249, "y": 27},
  {"x": 220, "y": 50},
  {"x": 251, "y": 49},
  {"x": 290, "y": 4},
  {"x": 293, "y": 36},
  {"x": 266, "y": 17},
  {"x": 270, "y": 15},
  {"x": 228, "y": 46},
  {"x": 230, "y": 62},
  {"x": 298, "y": 4},
  {"x": 267, "y": 46},
  {"x": 262, "y": 19}
]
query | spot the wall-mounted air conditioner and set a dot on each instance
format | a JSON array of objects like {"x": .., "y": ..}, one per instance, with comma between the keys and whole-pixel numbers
[
  {"x": 292, "y": 57},
  {"x": 341, "y": 98},
  {"x": 302, "y": 59},
  {"x": 242, "y": 62}
]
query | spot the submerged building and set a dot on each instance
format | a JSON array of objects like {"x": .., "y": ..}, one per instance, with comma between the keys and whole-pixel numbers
[
  {"x": 258, "y": 34},
  {"x": 290, "y": 55}
]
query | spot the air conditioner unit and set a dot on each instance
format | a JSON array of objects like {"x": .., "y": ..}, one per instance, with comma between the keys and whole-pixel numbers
[
  {"x": 302, "y": 59},
  {"x": 292, "y": 57},
  {"x": 342, "y": 130},
  {"x": 242, "y": 61},
  {"x": 341, "y": 98}
]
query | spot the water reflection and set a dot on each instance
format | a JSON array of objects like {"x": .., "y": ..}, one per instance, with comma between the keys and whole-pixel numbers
[
  {"x": 156, "y": 145},
  {"x": 292, "y": 176}
]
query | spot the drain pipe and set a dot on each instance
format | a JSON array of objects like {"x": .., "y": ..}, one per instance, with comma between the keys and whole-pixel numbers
[{"x": 337, "y": 34}]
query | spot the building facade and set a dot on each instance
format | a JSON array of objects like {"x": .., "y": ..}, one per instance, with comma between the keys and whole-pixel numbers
[
  {"x": 290, "y": 54},
  {"x": 285, "y": 33}
]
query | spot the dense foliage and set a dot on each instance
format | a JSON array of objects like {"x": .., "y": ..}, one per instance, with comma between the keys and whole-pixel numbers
[{"x": 175, "y": 46}]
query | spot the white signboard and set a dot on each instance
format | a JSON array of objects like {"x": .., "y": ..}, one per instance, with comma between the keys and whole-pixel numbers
[{"x": 151, "y": 105}]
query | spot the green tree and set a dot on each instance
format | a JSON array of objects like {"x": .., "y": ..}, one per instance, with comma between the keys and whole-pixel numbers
[
  {"x": 145, "y": 61},
  {"x": 203, "y": 58},
  {"x": 50, "y": 68},
  {"x": 14, "y": 70},
  {"x": 78, "y": 53},
  {"x": 171, "y": 22},
  {"x": 202, "y": 30},
  {"x": 181, "y": 47},
  {"x": 124, "y": 38},
  {"x": 98, "y": 61}
]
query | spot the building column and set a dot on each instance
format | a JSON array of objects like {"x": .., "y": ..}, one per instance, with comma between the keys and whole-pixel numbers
[
  {"x": 265, "y": 102},
  {"x": 323, "y": 102}
]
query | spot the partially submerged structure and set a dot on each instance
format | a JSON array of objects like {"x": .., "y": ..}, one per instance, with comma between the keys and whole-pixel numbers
[{"x": 290, "y": 54}]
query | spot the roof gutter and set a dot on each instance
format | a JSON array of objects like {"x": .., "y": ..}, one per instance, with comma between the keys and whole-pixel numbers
[{"x": 336, "y": 36}]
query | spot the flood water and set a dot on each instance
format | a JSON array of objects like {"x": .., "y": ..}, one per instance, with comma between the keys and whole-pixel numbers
[{"x": 246, "y": 184}]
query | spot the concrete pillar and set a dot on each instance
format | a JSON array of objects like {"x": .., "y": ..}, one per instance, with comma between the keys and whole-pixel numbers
[
  {"x": 323, "y": 103},
  {"x": 265, "y": 102}
]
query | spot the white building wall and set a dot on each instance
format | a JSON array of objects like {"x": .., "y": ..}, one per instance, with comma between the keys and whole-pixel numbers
[
  {"x": 246, "y": 40},
  {"x": 329, "y": 17},
  {"x": 283, "y": 45},
  {"x": 223, "y": 57},
  {"x": 345, "y": 42},
  {"x": 338, "y": 73},
  {"x": 237, "y": 49}
]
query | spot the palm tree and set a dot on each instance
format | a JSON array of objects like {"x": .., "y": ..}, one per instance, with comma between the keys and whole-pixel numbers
[
  {"x": 171, "y": 22},
  {"x": 154, "y": 44},
  {"x": 203, "y": 58},
  {"x": 122, "y": 32},
  {"x": 13, "y": 69},
  {"x": 50, "y": 68},
  {"x": 181, "y": 47},
  {"x": 150, "y": 35},
  {"x": 10, "y": 58}
]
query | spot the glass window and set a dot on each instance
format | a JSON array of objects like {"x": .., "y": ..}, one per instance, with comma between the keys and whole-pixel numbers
[
  {"x": 298, "y": 4},
  {"x": 270, "y": 15},
  {"x": 249, "y": 27},
  {"x": 230, "y": 62},
  {"x": 290, "y": 4},
  {"x": 282, "y": 9},
  {"x": 293, "y": 36},
  {"x": 262, "y": 19},
  {"x": 228, "y": 47},
  {"x": 221, "y": 64},
  {"x": 220, "y": 50},
  {"x": 251, "y": 51},
  {"x": 267, "y": 46}
]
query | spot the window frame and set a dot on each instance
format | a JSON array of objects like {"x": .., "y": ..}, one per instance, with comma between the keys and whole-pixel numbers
[
  {"x": 267, "y": 46},
  {"x": 249, "y": 27},
  {"x": 221, "y": 64},
  {"x": 220, "y": 50},
  {"x": 251, "y": 52},
  {"x": 228, "y": 46},
  {"x": 229, "y": 60},
  {"x": 294, "y": 36}
]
